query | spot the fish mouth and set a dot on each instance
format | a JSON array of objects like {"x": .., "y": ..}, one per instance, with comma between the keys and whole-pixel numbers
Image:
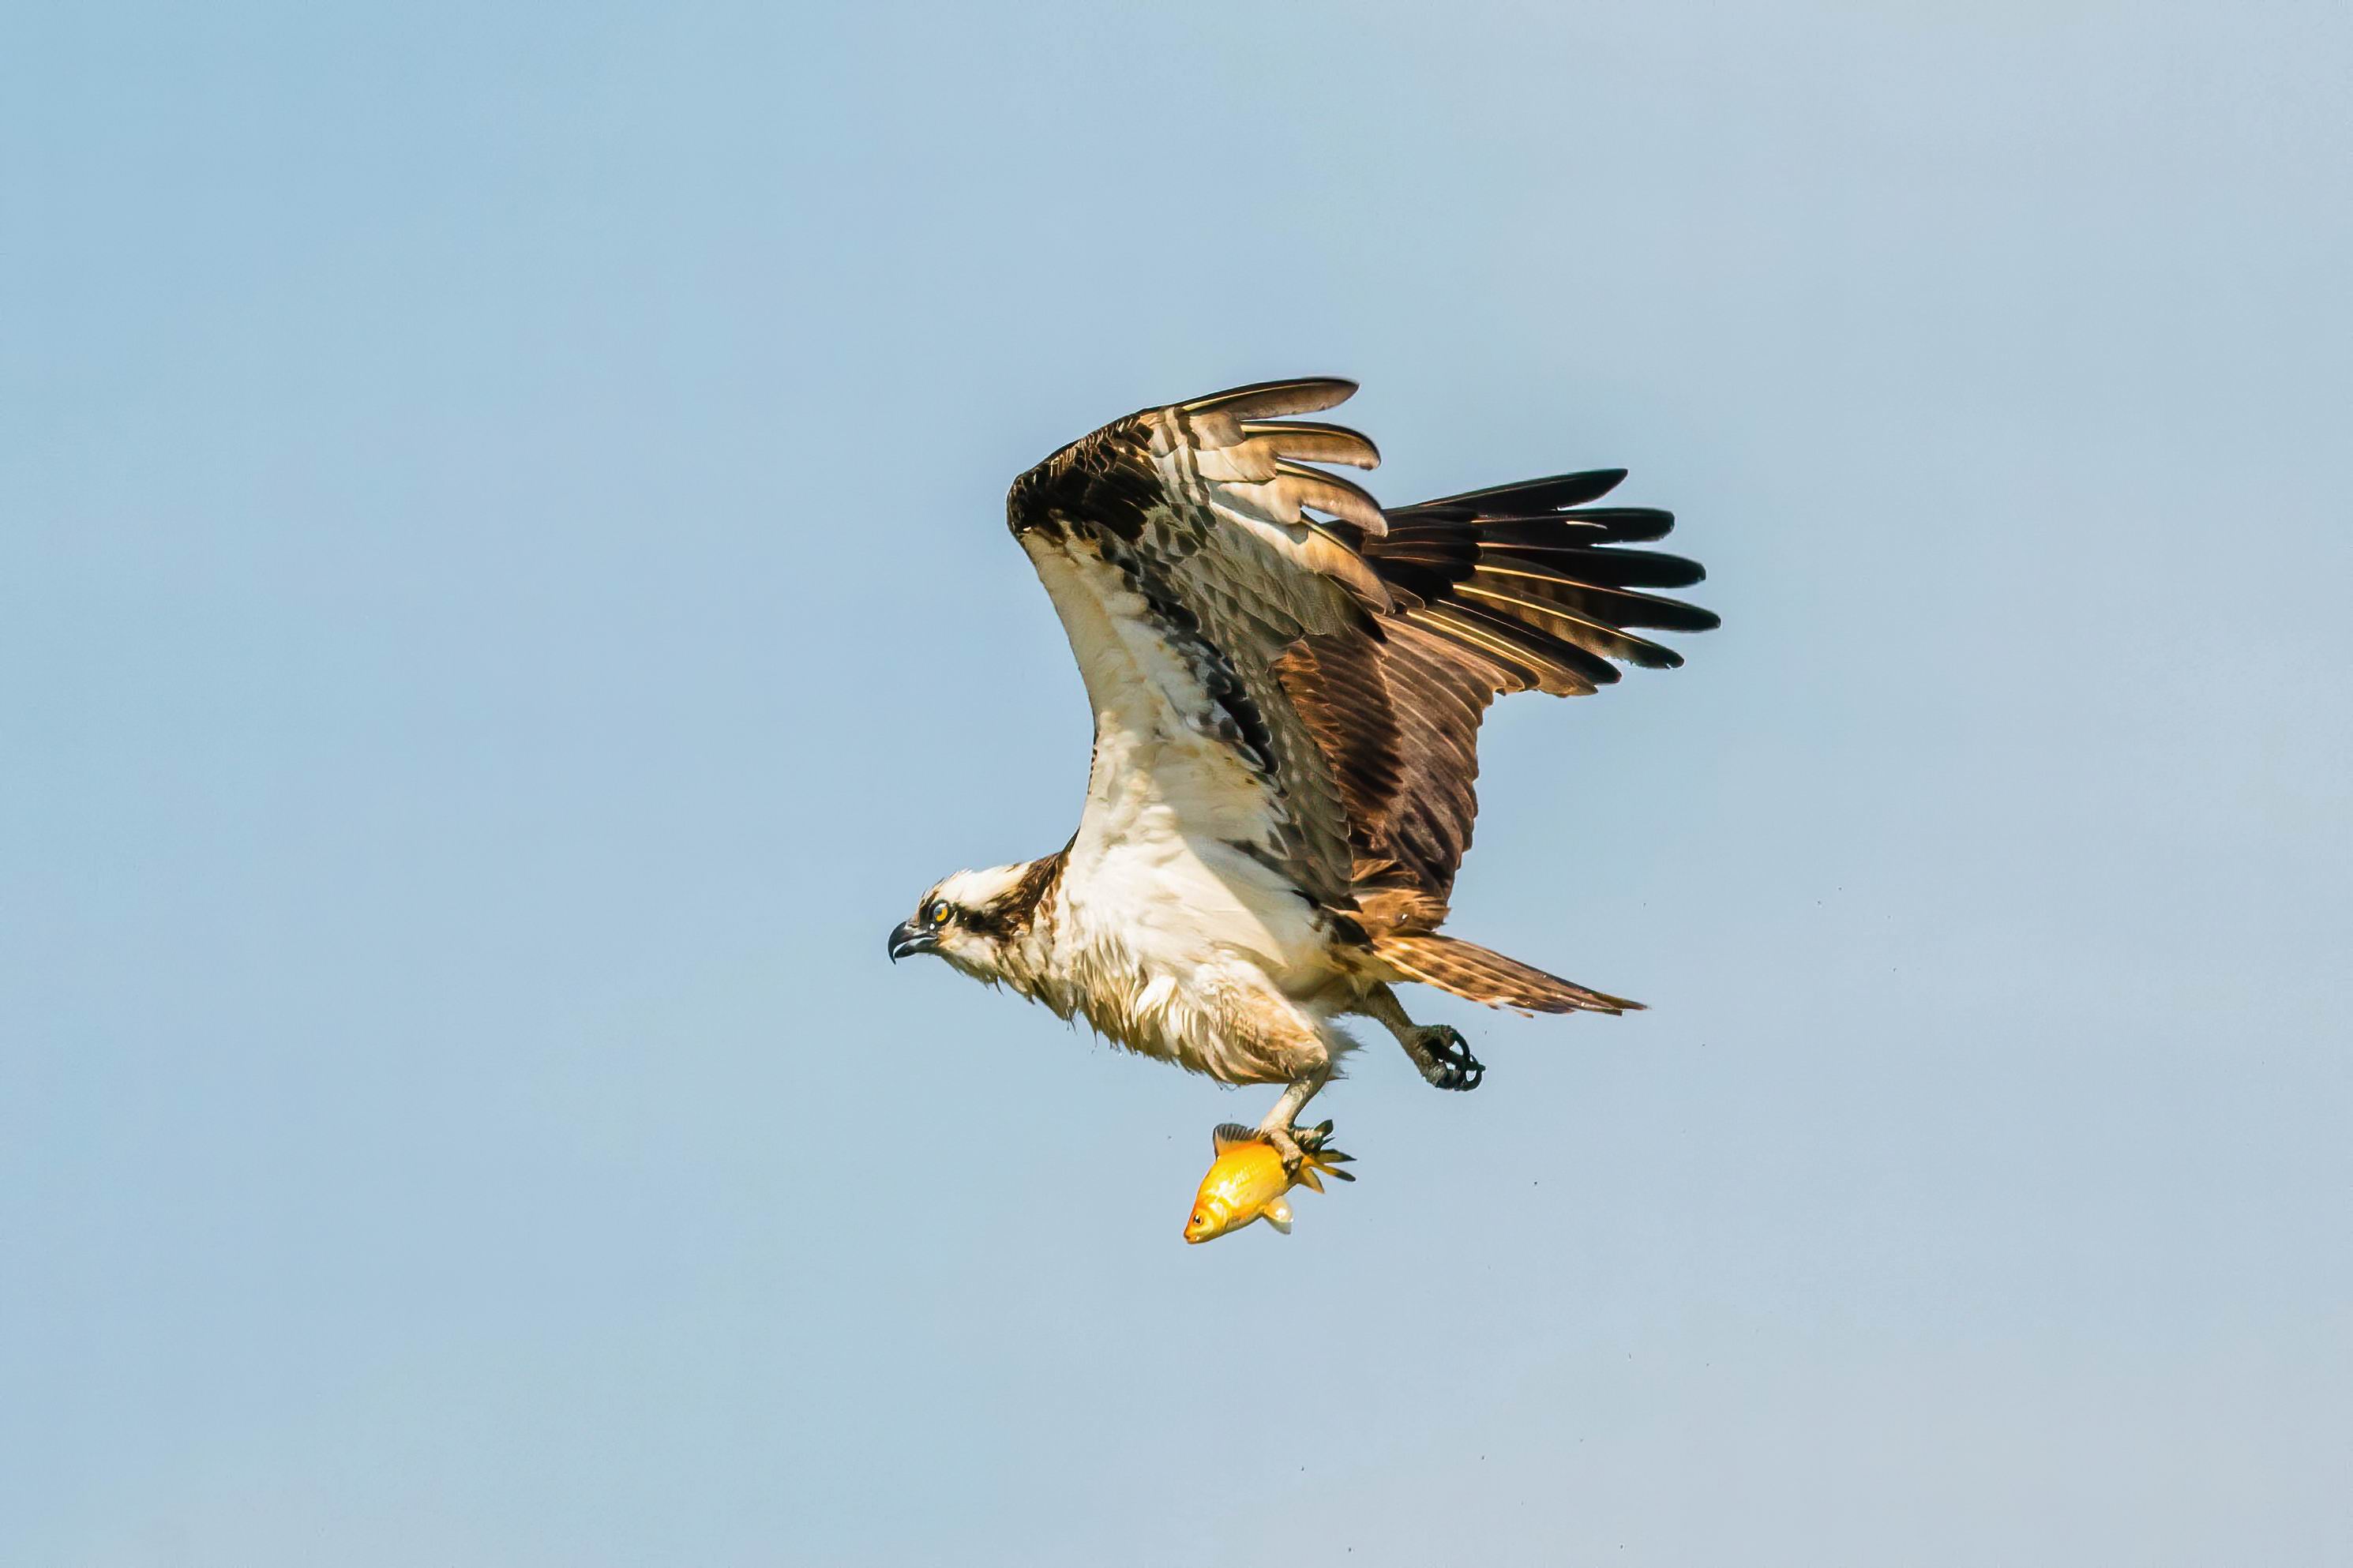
[{"x": 906, "y": 938}]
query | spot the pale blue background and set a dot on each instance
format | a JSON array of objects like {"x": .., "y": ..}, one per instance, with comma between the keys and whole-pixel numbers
[{"x": 504, "y": 601}]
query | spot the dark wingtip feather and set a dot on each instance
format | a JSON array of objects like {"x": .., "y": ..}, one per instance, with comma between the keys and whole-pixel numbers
[
  {"x": 1611, "y": 568},
  {"x": 1547, "y": 595},
  {"x": 1548, "y": 494}
]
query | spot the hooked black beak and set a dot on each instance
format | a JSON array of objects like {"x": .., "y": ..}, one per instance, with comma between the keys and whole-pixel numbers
[{"x": 906, "y": 938}]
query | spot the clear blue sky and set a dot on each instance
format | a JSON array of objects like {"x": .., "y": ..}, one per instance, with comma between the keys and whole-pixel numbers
[{"x": 504, "y": 601}]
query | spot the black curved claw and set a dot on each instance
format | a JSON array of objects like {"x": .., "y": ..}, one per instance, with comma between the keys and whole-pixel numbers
[
  {"x": 1316, "y": 1146},
  {"x": 1451, "y": 1064}
]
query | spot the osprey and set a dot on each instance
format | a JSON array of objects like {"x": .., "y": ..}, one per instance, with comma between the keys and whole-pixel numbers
[{"x": 1287, "y": 683}]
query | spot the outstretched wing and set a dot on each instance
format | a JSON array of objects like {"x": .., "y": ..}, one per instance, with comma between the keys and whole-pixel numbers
[
  {"x": 1278, "y": 668},
  {"x": 1180, "y": 549},
  {"x": 1521, "y": 587}
]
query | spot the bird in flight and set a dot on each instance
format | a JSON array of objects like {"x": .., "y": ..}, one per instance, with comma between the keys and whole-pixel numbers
[{"x": 1287, "y": 681}]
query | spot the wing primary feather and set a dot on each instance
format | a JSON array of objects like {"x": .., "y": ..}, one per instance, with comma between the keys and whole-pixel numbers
[
  {"x": 1538, "y": 495},
  {"x": 1584, "y": 669},
  {"x": 1635, "y": 609},
  {"x": 1315, "y": 443},
  {"x": 1540, "y": 661},
  {"x": 1330, "y": 492},
  {"x": 1616, "y": 568},
  {"x": 1594, "y": 637},
  {"x": 1262, "y": 399}
]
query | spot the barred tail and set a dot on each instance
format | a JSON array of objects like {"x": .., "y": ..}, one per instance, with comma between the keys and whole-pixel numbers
[{"x": 1476, "y": 974}]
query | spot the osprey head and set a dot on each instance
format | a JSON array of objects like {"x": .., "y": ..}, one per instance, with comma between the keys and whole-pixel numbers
[{"x": 973, "y": 918}]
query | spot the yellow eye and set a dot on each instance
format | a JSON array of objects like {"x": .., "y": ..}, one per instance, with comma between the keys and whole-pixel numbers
[{"x": 939, "y": 914}]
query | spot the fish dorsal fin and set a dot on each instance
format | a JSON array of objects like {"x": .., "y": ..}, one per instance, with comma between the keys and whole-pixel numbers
[
  {"x": 1278, "y": 1214},
  {"x": 1231, "y": 1134}
]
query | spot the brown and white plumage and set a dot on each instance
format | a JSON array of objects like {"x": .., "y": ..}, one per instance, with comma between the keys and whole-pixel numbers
[{"x": 1287, "y": 684}]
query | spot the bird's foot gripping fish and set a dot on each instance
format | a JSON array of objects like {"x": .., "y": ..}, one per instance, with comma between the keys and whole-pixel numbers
[{"x": 1248, "y": 1179}]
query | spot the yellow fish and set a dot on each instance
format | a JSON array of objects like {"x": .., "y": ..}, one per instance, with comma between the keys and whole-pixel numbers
[{"x": 1247, "y": 1182}]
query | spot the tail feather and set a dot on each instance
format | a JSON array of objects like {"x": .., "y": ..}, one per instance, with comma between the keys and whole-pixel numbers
[{"x": 1477, "y": 974}]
